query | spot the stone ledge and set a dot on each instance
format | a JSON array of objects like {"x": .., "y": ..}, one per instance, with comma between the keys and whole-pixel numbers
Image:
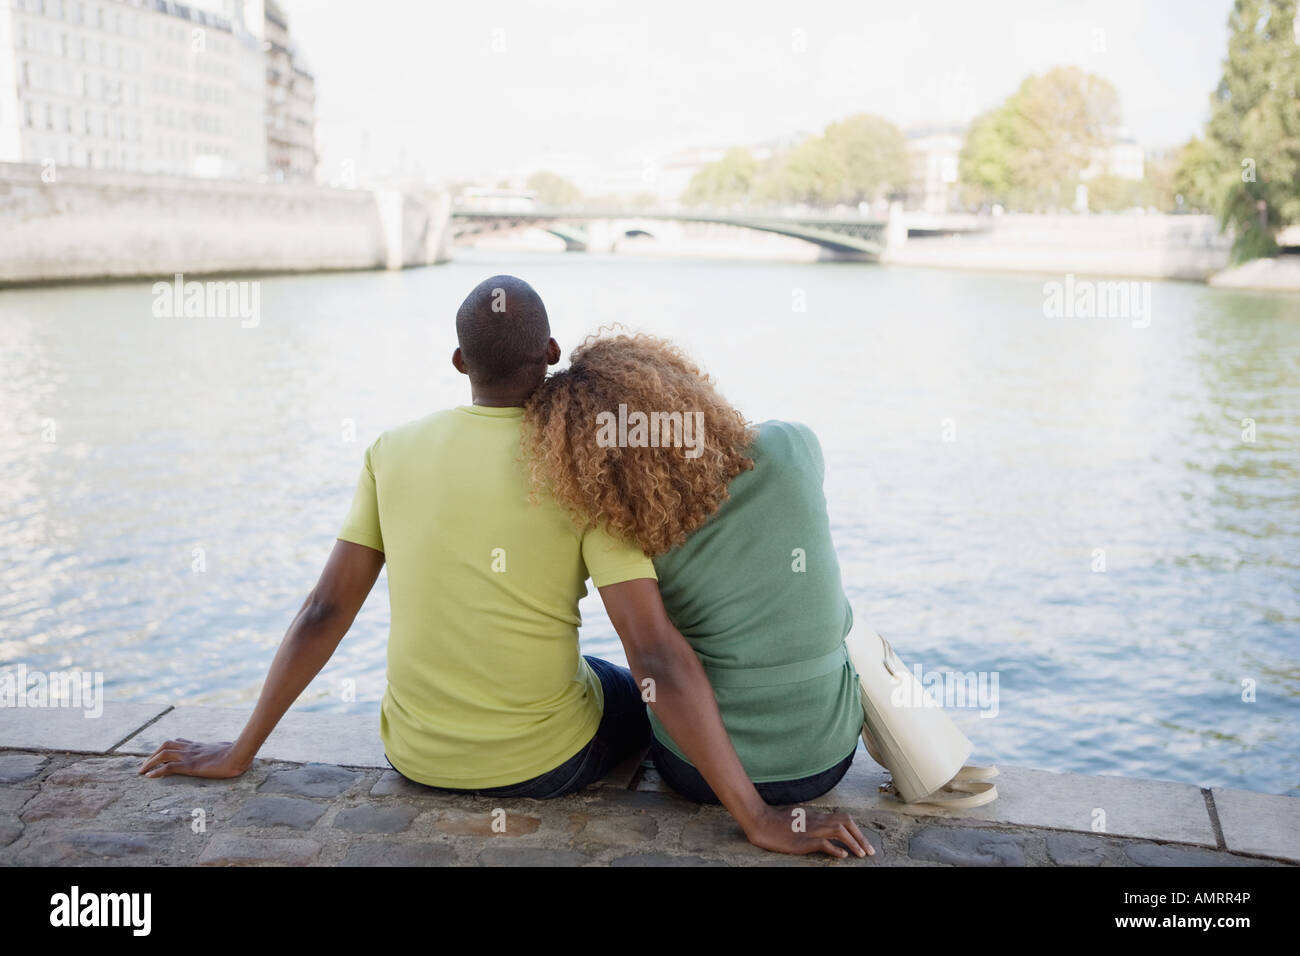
[
  {"x": 1259, "y": 823},
  {"x": 73, "y": 729},
  {"x": 321, "y": 794},
  {"x": 1150, "y": 809},
  {"x": 301, "y": 737},
  {"x": 69, "y": 809}
]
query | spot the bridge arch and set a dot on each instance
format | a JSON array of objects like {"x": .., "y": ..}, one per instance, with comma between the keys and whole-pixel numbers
[{"x": 845, "y": 237}]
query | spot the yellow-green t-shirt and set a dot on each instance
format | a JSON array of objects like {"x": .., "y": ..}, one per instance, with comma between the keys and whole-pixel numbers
[{"x": 486, "y": 686}]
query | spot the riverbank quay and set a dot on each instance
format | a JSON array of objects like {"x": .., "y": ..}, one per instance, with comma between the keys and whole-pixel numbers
[
  {"x": 1277, "y": 274},
  {"x": 1153, "y": 246},
  {"x": 322, "y": 794},
  {"x": 1164, "y": 249},
  {"x": 68, "y": 225}
]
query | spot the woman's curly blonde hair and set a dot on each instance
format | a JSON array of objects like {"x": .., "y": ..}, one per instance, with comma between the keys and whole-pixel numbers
[{"x": 652, "y": 497}]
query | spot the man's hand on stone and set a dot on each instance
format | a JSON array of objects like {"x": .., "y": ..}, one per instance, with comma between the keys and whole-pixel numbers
[{"x": 192, "y": 759}]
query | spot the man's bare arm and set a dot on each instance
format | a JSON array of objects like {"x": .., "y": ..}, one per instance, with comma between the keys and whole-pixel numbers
[
  {"x": 685, "y": 705},
  {"x": 312, "y": 638}
]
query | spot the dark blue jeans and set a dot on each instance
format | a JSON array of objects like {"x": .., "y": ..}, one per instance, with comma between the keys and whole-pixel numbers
[
  {"x": 688, "y": 781},
  {"x": 623, "y": 731}
]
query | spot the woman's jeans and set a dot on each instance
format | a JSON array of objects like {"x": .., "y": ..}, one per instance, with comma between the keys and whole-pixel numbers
[
  {"x": 623, "y": 731},
  {"x": 687, "y": 781}
]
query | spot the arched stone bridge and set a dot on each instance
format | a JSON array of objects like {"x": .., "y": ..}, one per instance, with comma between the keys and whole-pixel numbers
[{"x": 589, "y": 230}]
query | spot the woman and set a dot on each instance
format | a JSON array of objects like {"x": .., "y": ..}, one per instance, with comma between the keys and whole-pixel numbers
[{"x": 634, "y": 437}]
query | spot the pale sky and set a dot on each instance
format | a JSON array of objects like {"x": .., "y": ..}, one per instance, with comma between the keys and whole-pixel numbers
[{"x": 484, "y": 88}]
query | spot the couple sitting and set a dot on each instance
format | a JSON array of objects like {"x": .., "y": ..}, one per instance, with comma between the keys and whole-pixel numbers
[{"x": 711, "y": 551}]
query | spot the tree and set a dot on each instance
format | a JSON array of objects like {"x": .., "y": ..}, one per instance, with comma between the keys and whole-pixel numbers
[
  {"x": 813, "y": 173},
  {"x": 723, "y": 183},
  {"x": 855, "y": 160},
  {"x": 1107, "y": 193},
  {"x": 984, "y": 166},
  {"x": 553, "y": 190},
  {"x": 1031, "y": 150},
  {"x": 1195, "y": 176},
  {"x": 1253, "y": 135},
  {"x": 872, "y": 153}
]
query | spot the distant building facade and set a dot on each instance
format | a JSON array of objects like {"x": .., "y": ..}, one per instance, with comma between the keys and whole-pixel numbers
[
  {"x": 1123, "y": 159},
  {"x": 933, "y": 157},
  {"x": 148, "y": 86},
  {"x": 290, "y": 104}
]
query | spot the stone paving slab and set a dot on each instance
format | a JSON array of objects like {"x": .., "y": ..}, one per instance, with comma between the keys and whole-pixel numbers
[
  {"x": 74, "y": 729},
  {"x": 1263, "y": 823},
  {"x": 1151, "y": 809},
  {"x": 15, "y": 768},
  {"x": 301, "y": 736}
]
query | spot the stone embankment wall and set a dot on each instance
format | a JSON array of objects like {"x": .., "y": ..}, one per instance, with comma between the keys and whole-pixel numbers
[
  {"x": 1149, "y": 247},
  {"x": 69, "y": 224}
]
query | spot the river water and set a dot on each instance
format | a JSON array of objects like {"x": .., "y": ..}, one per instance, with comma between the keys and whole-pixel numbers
[{"x": 1071, "y": 507}]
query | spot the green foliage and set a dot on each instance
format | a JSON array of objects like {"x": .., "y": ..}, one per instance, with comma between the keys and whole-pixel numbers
[
  {"x": 1030, "y": 151},
  {"x": 811, "y": 173},
  {"x": 553, "y": 190},
  {"x": 872, "y": 154},
  {"x": 1166, "y": 179},
  {"x": 856, "y": 160},
  {"x": 984, "y": 165},
  {"x": 724, "y": 183},
  {"x": 1195, "y": 176},
  {"x": 1253, "y": 136},
  {"x": 1108, "y": 193}
]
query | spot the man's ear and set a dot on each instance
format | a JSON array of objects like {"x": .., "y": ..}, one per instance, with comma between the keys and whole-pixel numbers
[
  {"x": 458, "y": 360},
  {"x": 552, "y": 352}
]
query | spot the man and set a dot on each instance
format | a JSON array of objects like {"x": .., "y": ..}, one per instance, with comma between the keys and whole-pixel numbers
[{"x": 487, "y": 692}]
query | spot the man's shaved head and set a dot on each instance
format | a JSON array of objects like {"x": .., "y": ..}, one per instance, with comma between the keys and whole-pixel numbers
[{"x": 502, "y": 329}]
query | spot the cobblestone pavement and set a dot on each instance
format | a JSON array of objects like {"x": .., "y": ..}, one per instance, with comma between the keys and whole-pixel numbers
[{"x": 71, "y": 809}]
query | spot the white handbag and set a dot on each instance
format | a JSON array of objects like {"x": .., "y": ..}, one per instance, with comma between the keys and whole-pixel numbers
[{"x": 908, "y": 733}]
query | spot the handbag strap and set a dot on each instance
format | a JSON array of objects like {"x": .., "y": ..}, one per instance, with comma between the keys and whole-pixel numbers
[
  {"x": 969, "y": 772},
  {"x": 968, "y": 787},
  {"x": 962, "y": 796}
]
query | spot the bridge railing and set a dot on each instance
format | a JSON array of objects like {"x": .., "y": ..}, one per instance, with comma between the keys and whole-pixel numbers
[{"x": 682, "y": 213}]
